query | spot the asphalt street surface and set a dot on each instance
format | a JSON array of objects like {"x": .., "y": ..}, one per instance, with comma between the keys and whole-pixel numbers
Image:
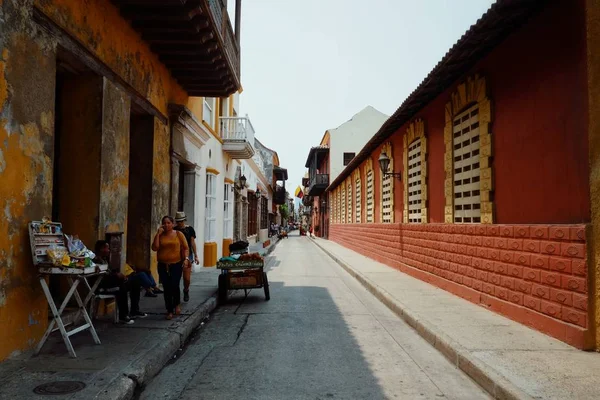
[{"x": 321, "y": 336}]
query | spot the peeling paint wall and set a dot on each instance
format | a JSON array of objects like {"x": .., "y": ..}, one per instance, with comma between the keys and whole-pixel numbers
[
  {"x": 27, "y": 71},
  {"x": 28, "y": 58},
  {"x": 114, "y": 171}
]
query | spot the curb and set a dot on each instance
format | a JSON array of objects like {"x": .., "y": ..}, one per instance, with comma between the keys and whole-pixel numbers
[
  {"x": 149, "y": 364},
  {"x": 485, "y": 376}
]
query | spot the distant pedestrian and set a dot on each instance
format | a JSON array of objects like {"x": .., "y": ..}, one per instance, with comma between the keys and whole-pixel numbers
[
  {"x": 190, "y": 235},
  {"x": 172, "y": 252}
]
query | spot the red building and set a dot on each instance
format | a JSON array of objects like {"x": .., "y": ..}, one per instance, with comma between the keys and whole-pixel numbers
[{"x": 496, "y": 201}]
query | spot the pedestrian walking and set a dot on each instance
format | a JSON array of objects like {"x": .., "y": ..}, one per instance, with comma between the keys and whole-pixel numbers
[
  {"x": 190, "y": 236},
  {"x": 172, "y": 252}
]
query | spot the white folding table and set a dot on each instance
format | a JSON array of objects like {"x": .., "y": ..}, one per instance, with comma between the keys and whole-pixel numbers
[{"x": 74, "y": 276}]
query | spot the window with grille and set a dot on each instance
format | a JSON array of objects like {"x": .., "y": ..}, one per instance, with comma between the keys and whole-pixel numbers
[
  {"x": 358, "y": 201},
  {"x": 370, "y": 197},
  {"x": 252, "y": 214},
  {"x": 349, "y": 200},
  {"x": 415, "y": 202},
  {"x": 467, "y": 202},
  {"x": 228, "y": 211},
  {"x": 343, "y": 208},
  {"x": 348, "y": 157},
  {"x": 264, "y": 212},
  {"x": 339, "y": 206},
  {"x": 210, "y": 223},
  {"x": 386, "y": 196}
]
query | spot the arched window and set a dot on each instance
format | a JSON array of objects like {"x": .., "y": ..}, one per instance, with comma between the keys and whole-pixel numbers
[
  {"x": 343, "y": 207},
  {"x": 415, "y": 173},
  {"x": 468, "y": 151},
  {"x": 358, "y": 197},
  {"x": 370, "y": 191},
  {"x": 349, "y": 200},
  {"x": 387, "y": 189}
]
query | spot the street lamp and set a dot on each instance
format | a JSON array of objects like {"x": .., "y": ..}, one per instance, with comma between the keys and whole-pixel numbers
[
  {"x": 384, "y": 164},
  {"x": 241, "y": 183}
]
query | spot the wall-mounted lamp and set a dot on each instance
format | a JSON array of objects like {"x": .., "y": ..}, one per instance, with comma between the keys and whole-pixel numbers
[
  {"x": 323, "y": 204},
  {"x": 257, "y": 193},
  {"x": 241, "y": 182},
  {"x": 384, "y": 164}
]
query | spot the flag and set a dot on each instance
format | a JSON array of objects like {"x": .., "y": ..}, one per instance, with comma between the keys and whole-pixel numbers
[{"x": 299, "y": 192}]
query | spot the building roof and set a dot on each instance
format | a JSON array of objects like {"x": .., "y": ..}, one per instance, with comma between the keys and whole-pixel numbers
[
  {"x": 499, "y": 21},
  {"x": 312, "y": 152}
]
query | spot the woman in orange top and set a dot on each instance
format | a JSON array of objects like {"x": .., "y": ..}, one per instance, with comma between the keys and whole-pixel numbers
[{"x": 172, "y": 252}]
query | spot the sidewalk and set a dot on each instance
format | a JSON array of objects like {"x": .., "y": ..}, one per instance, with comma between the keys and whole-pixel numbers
[
  {"x": 128, "y": 357},
  {"x": 263, "y": 251},
  {"x": 506, "y": 358}
]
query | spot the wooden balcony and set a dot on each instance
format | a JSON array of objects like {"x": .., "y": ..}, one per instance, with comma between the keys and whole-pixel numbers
[
  {"x": 238, "y": 137},
  {"x": 193, "y": 38},
  {"x": 318, "y": 183}
]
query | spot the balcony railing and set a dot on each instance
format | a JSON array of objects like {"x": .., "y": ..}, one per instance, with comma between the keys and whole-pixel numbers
[
  {"x": 238, "y": 137},
  {"x": 223, "y": 23},
  {"x": 318, "y": 184}
]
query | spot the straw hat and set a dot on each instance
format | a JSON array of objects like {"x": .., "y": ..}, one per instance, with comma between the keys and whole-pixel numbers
[{"x": 180, "y": 216}]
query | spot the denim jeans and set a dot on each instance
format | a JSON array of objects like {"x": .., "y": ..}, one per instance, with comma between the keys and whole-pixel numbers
[
  {"x": 145, "y": 279},
  {"x": 170, "y": 276}
]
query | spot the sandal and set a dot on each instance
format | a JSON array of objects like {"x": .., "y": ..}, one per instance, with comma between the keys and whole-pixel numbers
[
  {"x": 177, "y": 310},
  {"x": 170, "y": 316}
]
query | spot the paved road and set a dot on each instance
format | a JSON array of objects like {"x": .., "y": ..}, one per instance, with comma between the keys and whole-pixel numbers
[{"x": 322, "y": 336}]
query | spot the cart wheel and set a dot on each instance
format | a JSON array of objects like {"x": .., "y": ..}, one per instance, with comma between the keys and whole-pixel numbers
[
  {"x": 266, "y": 287},
  {"x": 222, "y": 295}
]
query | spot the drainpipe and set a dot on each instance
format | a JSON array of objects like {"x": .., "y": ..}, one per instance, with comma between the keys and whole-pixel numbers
[{"x": 238, "y": 17}]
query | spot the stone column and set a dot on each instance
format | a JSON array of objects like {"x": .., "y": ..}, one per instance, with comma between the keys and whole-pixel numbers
[
  {"x": 174, "y": 185},
  {"x": 237, "y": 212},
  {"x": 244, "y": 234}
]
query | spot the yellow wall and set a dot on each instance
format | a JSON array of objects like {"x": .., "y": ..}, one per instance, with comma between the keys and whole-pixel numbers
[
  {"x": 27, "y": 84},
  {"x": 210, "y": 254}
]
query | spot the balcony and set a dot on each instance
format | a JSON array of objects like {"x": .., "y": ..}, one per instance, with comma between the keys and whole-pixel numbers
[
  {"x": 238, "y": 137},
  {"x": 279, "y": 196},
  {"x": 307, "y": 201},
  {"x": 193, "y": 38},
  {"x": 318, "y": 183}
]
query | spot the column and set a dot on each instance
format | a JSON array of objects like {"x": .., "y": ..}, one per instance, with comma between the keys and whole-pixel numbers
[{"x": 174, "y": 185}]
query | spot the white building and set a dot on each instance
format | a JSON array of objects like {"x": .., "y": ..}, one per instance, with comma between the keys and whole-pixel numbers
[
  {"x": 209, "y": 156},
  {"x": 348, "y": 139}
]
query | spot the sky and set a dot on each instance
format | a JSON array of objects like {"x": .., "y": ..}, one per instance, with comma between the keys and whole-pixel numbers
[{"x": 310, "y": 65}]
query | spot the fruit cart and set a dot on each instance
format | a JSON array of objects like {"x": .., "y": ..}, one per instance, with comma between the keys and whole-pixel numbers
[{"x": 245, "y": 273}]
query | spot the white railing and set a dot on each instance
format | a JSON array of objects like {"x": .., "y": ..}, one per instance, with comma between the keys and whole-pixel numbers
[{"x": 237, "y": 129}]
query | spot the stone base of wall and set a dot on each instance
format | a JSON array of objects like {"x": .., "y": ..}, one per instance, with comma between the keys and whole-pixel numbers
[{"x": 535, "y": 275}]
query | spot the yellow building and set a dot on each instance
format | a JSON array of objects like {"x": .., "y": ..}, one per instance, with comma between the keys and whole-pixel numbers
[{"x": 89, "y": 96}]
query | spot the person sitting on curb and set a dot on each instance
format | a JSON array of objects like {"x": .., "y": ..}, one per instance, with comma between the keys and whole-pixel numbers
[
  {"x": 116, "y": 283},
  {"x": 145, "y": 279}
]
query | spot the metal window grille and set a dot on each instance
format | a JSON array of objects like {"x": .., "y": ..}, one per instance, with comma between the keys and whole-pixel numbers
[
  {"x": 386, "y": 197},
  {"x": 415, "y": 202},
  {"x": 343, "y": 208},
  {"x": 370, "y": 199},
  {"x": 467, "y": 201},
  {"x": 339, "y": 199},
  {"x": 349, "y": 199},
  {"x": 358, "y": 201}
]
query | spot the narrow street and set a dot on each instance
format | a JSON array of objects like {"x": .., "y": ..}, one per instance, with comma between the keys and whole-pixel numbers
[{"x": 321, "y": 336}]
